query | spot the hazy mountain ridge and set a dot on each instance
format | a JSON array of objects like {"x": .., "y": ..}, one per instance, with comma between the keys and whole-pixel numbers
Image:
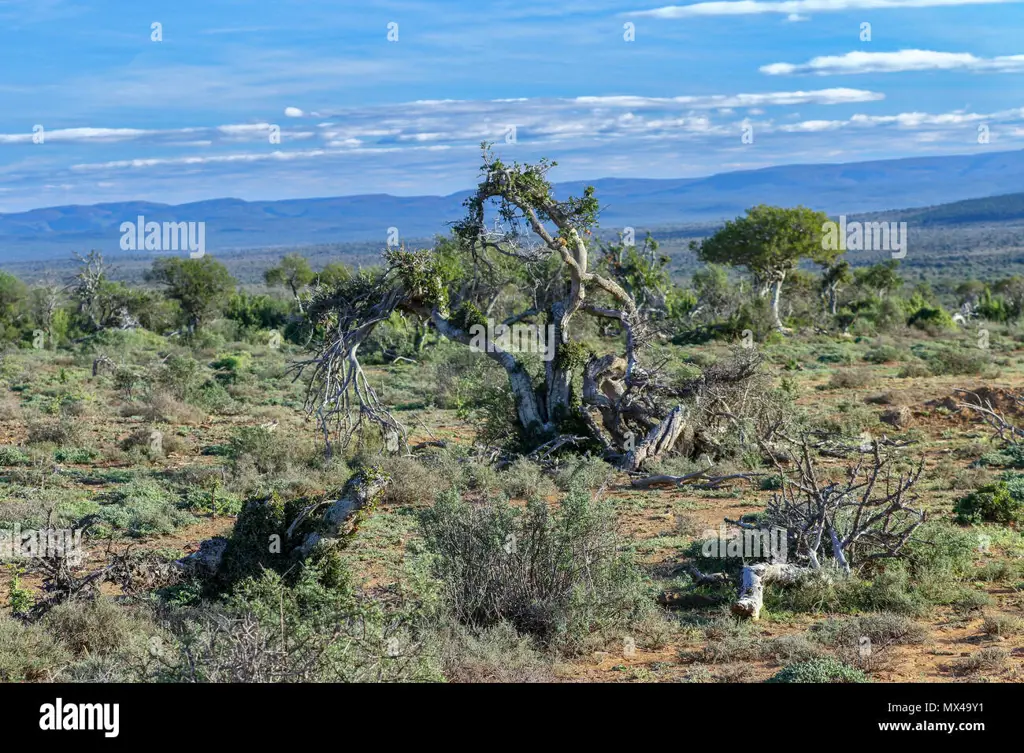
[{"x": 848, "y": 188}]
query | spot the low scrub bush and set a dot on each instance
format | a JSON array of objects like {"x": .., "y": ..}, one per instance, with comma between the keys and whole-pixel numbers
[
  {"x": 556, "y": 575},
  {"x": 827, "y": 670}
]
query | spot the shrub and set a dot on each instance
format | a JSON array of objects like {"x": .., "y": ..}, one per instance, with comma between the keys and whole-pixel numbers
[
  {"x": 166, "y": 408},
  {"x": 182, "y": 377},
  {"x": 63, "y": 433},
  {"x": 145, "y": 442},
  {"x": 259, "y": 447},
  {"x": 1002, "y": 624},
  {"x": 79, "y": 455},
  {"x": 914, "y": 370},
  {"x": 230, "y": 368},
  {"x": 412, "y": 482},
  {"x": 13, "y": 456},
  {"x": 493, "y": 654},
  {"x": 586, "y": 472},
  {"x": 957, "y": 361},
  {"x": 986, "y": 660},
  {"x": 849, "y": 379},
  {"x": 939, "y": 546},
  {"x": 28, "y": 653},
  {"x": 832, "y": 355},
  {"x": 993, "y": 503},
  {"x": 316, "y": 630},
  {"x": 98, "y": 626},
  {"x": 826, "y": 670},
  {"x": 558, "y": 576},
  {"x": 142, "y": 508},
  {"x": 931, "y": 318},
  {"x": 883, "y": 629},
  {"x": 885, "y": 354},
  {"x": 524, "y": 479}
]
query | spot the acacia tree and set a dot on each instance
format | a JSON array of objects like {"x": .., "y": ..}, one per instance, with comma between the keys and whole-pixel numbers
[
  {"x": 294, "y": 273},
  {"x": 200, "y": 286},
  {"x": 880, "y": 279},
  {"x": 769, "y": 242},
  {"x": 520, "y": 255}
]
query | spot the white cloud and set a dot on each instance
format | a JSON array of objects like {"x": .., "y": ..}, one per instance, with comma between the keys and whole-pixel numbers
[
  {"x": 796, "y": 17},
  {"x": 906, "y": 121},
  {"x": 77, "y": 134},
  {"x": 892, "y": 62},
  {"x": 293, "y": 112},
  {"x": 794, "y": 7},
  {"x": 812, "y": 126},
  {"x": 835, "y": 96}
]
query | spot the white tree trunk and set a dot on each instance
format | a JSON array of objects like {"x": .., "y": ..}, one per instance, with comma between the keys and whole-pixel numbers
[
  {"x": 754, "y": 579},
  {"x": 776, "y": 296}
]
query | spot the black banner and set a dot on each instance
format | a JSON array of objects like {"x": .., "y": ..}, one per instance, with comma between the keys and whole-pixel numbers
[{"x": 117, "y": 716}]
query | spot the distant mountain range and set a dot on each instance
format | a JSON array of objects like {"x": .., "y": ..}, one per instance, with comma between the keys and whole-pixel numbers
[{"x": 852, "y": 188}]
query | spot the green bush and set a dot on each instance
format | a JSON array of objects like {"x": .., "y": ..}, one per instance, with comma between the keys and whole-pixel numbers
[
  {"x": 850, "y": 379},
  {"x": 993, "y": 503},
  {"x": 524, "y": 479},
  {"x": 931, "y": 317},
  {"x": 885, "y": 354},
  {"x": 259, "y": 447},
  {"x": 63, "y": 433},
  {"x": 819, "y": 671},
  {"x": 312, "y": 628},
  {"x": 914, "y": 370},
  {"x": 583, "y": 472},
  {"x": 883, "y": 629},
  {"x": 97, "y": 626},
  {"x": 957, "y": 361},
  {"x": 13, "y": 456},
  {"x": 142, "y": 508},
  {"x": 28, "y": 653},
  {"x": 558, "y": 576},
  {"x": 230, "y": 368}
]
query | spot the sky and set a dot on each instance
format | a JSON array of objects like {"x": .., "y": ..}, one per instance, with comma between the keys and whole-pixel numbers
[{"x": 183, "y": 101}]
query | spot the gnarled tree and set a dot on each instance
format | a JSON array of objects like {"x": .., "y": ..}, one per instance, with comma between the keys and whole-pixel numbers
[{"x": 521, "y": 256}]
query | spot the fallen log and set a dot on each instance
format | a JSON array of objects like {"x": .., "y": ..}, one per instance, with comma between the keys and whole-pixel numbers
[{"x": 753, "y": 581}]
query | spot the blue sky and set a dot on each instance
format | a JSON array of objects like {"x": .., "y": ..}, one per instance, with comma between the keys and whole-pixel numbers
[{"x": 190, "y": 117}]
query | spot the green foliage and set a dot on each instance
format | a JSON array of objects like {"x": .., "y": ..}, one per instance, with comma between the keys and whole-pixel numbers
[
  {"x": 28, "y": 653},
  {"x": 879, "y": 279},
  {"x": 293, "y": 272},
  {"x": 19, "y": 599},
  {"x": 957, "y": 361},
  {"x": 931, "y": 317},
  {"x": 260, "y": 447},
  {"x": 819, "y": 671},
  {"x": 312, "y": 628},
  {"x": 993, "y": 503},
  {"x": 200, "y": 286},
  {"x": 420, "y": 276},
  {"x": 142, "y": 508},
  {"x": 768, "y": 240},
  {"x": 230, "y": 367},
  {"x": 558, "y": 576},
  {"x": 256, "y": 311}
]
